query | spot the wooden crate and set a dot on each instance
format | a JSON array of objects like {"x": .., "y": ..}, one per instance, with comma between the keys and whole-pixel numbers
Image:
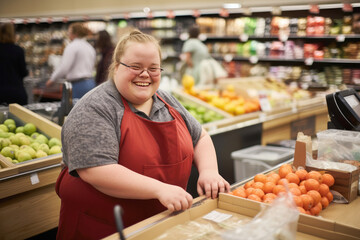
[{"x": 44, "y": 126}]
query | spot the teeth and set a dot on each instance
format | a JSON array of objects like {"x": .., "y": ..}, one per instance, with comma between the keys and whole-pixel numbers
[{"x": 142, "y": 84}]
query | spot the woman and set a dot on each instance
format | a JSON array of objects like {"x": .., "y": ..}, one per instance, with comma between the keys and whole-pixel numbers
[
  {"x": 77, "y": 63},
  {"x": 12, "y": 68},
  {"x": 106, "y": 49},
  {"x": 129, "y": 143},
  {"x": 199, "y": 63}
]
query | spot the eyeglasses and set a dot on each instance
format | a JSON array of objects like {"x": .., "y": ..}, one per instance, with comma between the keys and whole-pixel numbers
[{"x": 153, "y": 71}]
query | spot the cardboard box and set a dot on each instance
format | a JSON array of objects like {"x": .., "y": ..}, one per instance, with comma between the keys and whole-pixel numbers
[
  {"x": 309, "y": 227},
  {"x": 346, "y": 183},
  {"x": 44, "y": 126}
]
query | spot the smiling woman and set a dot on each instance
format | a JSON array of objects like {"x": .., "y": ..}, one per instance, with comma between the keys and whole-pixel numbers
[{"x": 149, "y": 144}]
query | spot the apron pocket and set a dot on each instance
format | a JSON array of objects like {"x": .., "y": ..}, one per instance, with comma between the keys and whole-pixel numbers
[
  {"x": 90, "y": 227},
  {"x": 175, "y": 174}
]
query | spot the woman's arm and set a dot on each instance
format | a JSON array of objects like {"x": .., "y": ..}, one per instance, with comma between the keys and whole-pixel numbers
[{"x": 210, "y": 182}]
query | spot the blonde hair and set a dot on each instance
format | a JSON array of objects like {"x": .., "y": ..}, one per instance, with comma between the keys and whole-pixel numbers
[{"x": 133, "y": 36}]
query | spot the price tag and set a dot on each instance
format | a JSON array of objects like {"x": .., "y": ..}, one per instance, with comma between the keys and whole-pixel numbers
[
  {"x": 34, "y": 178},
  {"x": 253, "y": 59},
  {"x": 276, "y": 11},
  {"x": 309, "y": 61},
  {"x": 244, "y": 37},
  {"x": 217, "y": 216},
  {"x": 262, "y": 117},
  {"x": 265, "y": 104},
  {"x": 340, "y": 38},
  {"x": 228, "y": 57}
]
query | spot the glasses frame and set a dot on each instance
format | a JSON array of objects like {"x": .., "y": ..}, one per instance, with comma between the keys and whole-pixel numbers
[{"x": 142, "y": 70}]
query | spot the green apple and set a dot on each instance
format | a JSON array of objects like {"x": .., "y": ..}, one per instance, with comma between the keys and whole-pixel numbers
[
  {"x": 19, "y": 129},
  {"x": 4, "y": 128},
  {"x": 8, "y": 152},
  {"x": 9, "y": 121},
  {"x": 55, "y": 149},
  {"x": 35, "y": 145},
  {"x": 44, "y": 147},
  {"x": 23, "y": 156},
  {"x": 29, "y": 129},
  {"x": 24, "y": 141},
  {"x": 42, "y": 139},
  {"x": 40, "y": 153},
  {"x": 15, "y": 140},
  {"x": 53, "y": 142},
  {"x": 29, "y": 150}
]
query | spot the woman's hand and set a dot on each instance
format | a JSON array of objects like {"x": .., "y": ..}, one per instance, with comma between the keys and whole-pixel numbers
[
  {"x": 174, "y": 198},
  {"x": 210, "y": 183}
]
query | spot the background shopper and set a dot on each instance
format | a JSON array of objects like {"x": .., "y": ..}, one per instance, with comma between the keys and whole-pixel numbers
[
  {"x": 199, "y": 64},
  {"x": 12, "y": 68},
  {"x": 129, "y": 143},
  {"x": 77, "y": 63},
  {"x": 106, "y": 48}
]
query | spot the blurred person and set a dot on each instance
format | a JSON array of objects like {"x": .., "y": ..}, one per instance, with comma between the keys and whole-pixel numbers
[
  {"x": 106, "y": 48},
  {"x": 199, "y": 64},
  {"x": 12, "y": 68},
  {"x": 149, "y": 143},
  {"x": 77, "y": 63}
]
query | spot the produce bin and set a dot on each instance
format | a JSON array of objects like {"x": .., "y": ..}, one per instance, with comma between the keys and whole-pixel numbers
[{"x": 250, "y": 161}]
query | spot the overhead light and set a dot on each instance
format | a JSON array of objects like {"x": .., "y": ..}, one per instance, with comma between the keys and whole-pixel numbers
[
  {"x": 232, "y": 5},
  {"x": 146, "y": 9}
]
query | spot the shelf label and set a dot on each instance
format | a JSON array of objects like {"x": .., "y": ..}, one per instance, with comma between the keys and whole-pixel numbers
[
  {"x": 276, "y": 11},
  {"x": 34, "y": 178},
  {"x": 253, "y": 59},
  {"x": 314, "y": 9},
  {"x": 244, "y": 37},
  {"x": 228, "y": 57},
  {"x": 340, "y": 38},
  {"x": 309, "y": 61}
]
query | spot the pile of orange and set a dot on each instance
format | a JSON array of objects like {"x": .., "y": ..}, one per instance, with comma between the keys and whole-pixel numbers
[{"x": 310, "y": 190}]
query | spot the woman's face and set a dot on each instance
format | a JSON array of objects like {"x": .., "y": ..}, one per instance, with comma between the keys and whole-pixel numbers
[{"x": 135, "y": 87}]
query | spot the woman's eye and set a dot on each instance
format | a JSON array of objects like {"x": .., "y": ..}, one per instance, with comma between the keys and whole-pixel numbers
[
  {"x": 135, "y": 67},
  {"x": 153, "y": 69}
]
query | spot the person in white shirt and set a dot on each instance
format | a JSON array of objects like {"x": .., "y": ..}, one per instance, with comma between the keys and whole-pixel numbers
[{"x": 77, "y": 63}]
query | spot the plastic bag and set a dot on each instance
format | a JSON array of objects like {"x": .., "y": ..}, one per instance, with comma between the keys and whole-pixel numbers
[{"x": 277, "y": 221}]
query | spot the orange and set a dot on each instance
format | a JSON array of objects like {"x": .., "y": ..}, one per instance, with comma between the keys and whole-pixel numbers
[
  {"x": 328, "y": 179},
  {"x": 278, "y": 189},
  {"x": 311, "y": 184},
  {"x": 298, "y": 201},
  {"x": 254, "y": 197},
  {"x": 301, "y": 173},
  {"x": 302, "y": 183},
  {"x": 284, "y": 170},
  {"x": 240, "y": 193},
  {"x": 324, "y": 202},
  {"x": 315, "y": 195},
  {"x": 293, "y": 185},
  {"x": 249, "y": 191},
  {"x": 307, "y": 200},
  {"x": 258, "y": 192},
  {"x": 269, "y": 195},
  {"x": 271, "y": 179},
  {"x": 268, "y": 187},
  {"x": 275, "y": 176},
  {"x": 283, "y": 181},
  {"x": 323, "y": 189},
  {"x": 314, "y": 175},
  {"x": 293, "y": 178},
  {"x": 260, "y": 178},
  {"x": 315, "y": 210},
  {"x": 301, "y": 210},
  {"x": 330, "y": 196},
  {"x": 303, "y": 189},
  {"x": 248, "y": 184},
  {"x": 295, "y": 191},
  {"x": 258, "y": 185}
]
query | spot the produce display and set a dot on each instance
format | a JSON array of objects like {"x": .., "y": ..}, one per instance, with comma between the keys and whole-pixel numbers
[
  {"x": 310, "y": 190},
  {"x": 22, "y": 143}
]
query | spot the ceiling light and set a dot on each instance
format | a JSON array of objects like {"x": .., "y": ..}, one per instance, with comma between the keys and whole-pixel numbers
[{"x": 232, "y": 5}]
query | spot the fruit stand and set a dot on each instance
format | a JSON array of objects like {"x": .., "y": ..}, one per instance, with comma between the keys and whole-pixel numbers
[
  {"x": 337, "y": 221},
  {"x": 28, "y": 202}
]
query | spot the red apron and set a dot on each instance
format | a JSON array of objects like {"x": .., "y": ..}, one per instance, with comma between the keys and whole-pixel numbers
[{"x": 161, "y": 150}]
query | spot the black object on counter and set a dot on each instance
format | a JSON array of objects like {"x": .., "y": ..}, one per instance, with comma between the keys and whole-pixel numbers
[
  {"x": 118, "y": 221},
  {"x": 344, "y": 110}
]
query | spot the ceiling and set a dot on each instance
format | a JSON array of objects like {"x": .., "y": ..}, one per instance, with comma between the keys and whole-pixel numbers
[{"x": 53, "y": 8}]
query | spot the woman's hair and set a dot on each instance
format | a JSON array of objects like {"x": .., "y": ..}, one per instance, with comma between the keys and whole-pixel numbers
[
  {"x": 7, "y": 33},
  {"x": 104, "y": 40},
  {"x": 79, "y": 29},
  {"x": 194, "y": 32},
  {"x": 133, "y": 36}
]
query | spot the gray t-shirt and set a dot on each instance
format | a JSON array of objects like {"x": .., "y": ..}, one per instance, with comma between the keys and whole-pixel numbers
[{"x": 91, "y": 132}]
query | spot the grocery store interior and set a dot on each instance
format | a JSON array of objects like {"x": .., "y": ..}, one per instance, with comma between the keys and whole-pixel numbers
[{"x": 292, "y": 70}]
